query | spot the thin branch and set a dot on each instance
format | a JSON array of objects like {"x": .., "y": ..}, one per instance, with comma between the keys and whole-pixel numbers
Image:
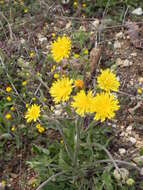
[{"x": 49, "y": 179}]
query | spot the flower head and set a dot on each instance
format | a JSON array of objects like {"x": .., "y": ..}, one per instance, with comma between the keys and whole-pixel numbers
[
  {"x": 60, "y": 48},
  {"x": 8, "y": 116},
  {"x": 82, "y": 103},
  {"x": 40, "y": 128},
  {"x": 8, "y": 89},
  {"x": 32, "y": 113},
  {"x": 8, "y": 98},
  {"x": 105, "y": 106},
  {"x": 78, "y": 83},
  {"x": 61, "y": 90},
  {"x": 107, "y": 81}
]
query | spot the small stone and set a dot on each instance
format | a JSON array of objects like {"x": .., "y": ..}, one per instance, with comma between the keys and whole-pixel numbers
[
  {"x": 119, "y": 35},
  {"x": 124, "y": 173},
  {"x": 132, "y": 140},
  {"x": 141, "y": 171},
  {"x": 122, "y": 151},
  {"x": 129, "y": 128},
  {"x": 138, "y": 11},
  {"x": 116, "y": 174},
  {"x": 134, "y": 54},
  {"x": 117, "y": 45},
  {"x": 95, "y": 23}
]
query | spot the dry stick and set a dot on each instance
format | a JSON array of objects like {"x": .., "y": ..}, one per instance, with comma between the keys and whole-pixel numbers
[
  {"x": 109, "y": 155},
  {"x": 120, "y": 162},
  {"x": 123, "y": 22},
  {"x": 49, "y": 179},
  {"x": 36, "y": 91},
  {"x": 9, "y": 26}
]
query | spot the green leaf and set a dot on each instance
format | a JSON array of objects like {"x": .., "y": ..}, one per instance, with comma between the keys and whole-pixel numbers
[{"x": 39, "y": 150}]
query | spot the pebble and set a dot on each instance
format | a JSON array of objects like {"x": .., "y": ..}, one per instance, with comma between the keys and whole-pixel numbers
[
  {"x": 95, "y": 23},
  {"x": 138, "y": 11},
  {"x": 132, "y": 140},
  {"x": 119, "y": 35},
  {"x": 117, "y": 45},
  {"x": 122, "y": 151}
]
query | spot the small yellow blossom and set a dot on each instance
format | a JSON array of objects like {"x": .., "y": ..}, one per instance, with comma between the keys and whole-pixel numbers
[
  {"x": 24, "y": 83},
  {"x": 8, "y": 99},
  {"x": 56, "y": 76},
  {"x": 12, "y": 108},
  {"x": 38, "y": 74},
  {"x": 83, "y": 103},
  {"x": 32, "y": 113},
  {"x": 107, "y": 81},
  {"x": 44, "y": 99},
  {"x": 84, "y": 5},
  {"x": 85, "y": 52},
  {"x": 34, "y": 99},
  {"x": 139, "y": 90},
  {"x": 31, "y": 55},
  {"x": 61, "y": 90},
  {"x": 26, "y": 105},
  {"x": 60, "y": 48},
  {"x": 78, "y": 83},
  {"x": 27, "y": 74},
  {"x": 13, "y": 128},
  {"x": 53, "y": 35},
  {"x": 61, "y": 141},
  {"x": 75, "y": 4},
  {"x": 53, "y": 68},
  {"x": 8, "y": 116},
  {"x": 25, "y": 10},
  {"x": 8, "y": 89},
  {"x": 3, "y": 183},
  {"x": 76, "y": 56},
  {"x": 40, "y": 128},
  {"x": 105, "y": 105}
]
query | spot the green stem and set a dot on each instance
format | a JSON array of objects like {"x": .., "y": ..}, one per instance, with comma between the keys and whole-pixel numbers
[{"x": 77, "y": 143}]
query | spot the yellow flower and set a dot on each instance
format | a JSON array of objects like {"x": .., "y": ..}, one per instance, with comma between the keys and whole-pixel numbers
[
  {"x": 53, "y": 68},
  {"x": 26, "y": 105},
  {"x": 82, "y": 103},
  {"x": 7, "y": 116},
  {"x": 104, "y": 106},
  {"x": 24, "y": 83},
  {"x": 13, "y": 128},
  {"x": 76, "y": 56},
  {"x": 32, "y": 113},
  {"x": 84, "y": 5},
  {"x": 25, "y": 10},
  {"x": 3, "y": 183},
  {"x": 75, "y": 4},
  {"x": 61, "y": 90},
  {"x": 60, "y": 48},
  {"x": 85, "y": 52},
  {"x": 8, "y": 98},
  {"x": 12, "y": 108},
  {"x": 139, "y": 90},
  {"x": 8, "y": 89},
  {"x": 107, "y": 81},
  {"x": 56, "y": 76},
  {"x": 53, "y": 35},
  {"x": 40, "y": 128},
  {"x": 61, "y": 141},
  {"x": 78, "y": 83},
  {"x": 31, "y": 55},
  {"x": 34, "y": 99}
]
